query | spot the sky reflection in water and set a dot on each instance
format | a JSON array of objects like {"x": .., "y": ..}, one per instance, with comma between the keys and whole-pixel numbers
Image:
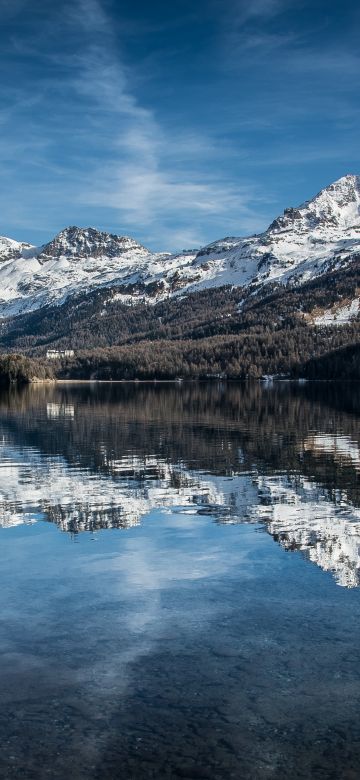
[{"x": 163, "y": 633}]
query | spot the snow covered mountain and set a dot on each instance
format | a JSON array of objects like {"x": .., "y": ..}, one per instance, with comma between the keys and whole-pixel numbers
[
  {"x": 79, "y": 260},
  {"x": 305, "y": 242},
  {"x": 11, "y": 250},
  {"x": 297, "y": 512},
  {"x": 77, "y": 244}
]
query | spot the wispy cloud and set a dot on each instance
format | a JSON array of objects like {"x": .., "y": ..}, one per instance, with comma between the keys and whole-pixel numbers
[
  {"x": 117, "y": 155},
  {"x": 94, "y": 133},
  {"x": 250, "y": 26},
  {"x": 244, "y": 11},
  {"x": 155, "y": 177},
  {"x": 148, "y": 177}
]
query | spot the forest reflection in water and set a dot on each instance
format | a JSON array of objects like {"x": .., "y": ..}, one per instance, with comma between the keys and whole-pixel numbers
[
  {"x": 204, "y": 634},
  {"x": 100, "y": 456}
]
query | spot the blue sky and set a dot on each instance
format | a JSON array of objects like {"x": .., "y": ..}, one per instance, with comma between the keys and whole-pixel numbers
[{"x": 176, "y": 123}]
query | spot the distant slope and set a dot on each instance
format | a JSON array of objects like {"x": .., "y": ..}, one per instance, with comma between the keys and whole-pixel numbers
[
  {"x": 100, "y": 319},
  {"x": 208, "y": 333}
]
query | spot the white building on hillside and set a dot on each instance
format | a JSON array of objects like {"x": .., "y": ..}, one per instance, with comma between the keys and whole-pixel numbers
[{"x": 57, "y": 354}]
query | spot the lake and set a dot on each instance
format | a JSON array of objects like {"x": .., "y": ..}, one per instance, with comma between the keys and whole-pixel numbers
[{"x": 180, "y": 571}]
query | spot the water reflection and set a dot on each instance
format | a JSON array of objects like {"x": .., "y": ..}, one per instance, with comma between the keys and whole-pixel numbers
[
  {"x": 284, "y": 456},
  {"x": 34, "y": 487},
  {"x": 190, "y": 644},
  {"x": 299, "y": 515}
]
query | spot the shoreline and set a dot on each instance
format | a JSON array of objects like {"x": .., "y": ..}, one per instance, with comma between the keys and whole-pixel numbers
[{"x": 295, "y": 380}]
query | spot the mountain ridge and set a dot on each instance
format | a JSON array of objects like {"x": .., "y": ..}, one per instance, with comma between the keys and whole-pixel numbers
[{"x": 320, "y": 235}]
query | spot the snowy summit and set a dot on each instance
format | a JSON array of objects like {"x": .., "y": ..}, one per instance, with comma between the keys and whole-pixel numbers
[{"x": 303, "y": 243}]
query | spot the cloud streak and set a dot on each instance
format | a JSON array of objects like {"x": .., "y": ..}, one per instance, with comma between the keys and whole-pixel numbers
[
  {"x": 149, "y": 178},
  {"x": 95, "y": 131},
  {"x": 117, "y": 158},
  {"x": 245, "y": 11}
]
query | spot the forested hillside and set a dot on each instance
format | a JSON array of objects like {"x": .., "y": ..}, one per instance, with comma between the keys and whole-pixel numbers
[{"x": 212, "y": 332}]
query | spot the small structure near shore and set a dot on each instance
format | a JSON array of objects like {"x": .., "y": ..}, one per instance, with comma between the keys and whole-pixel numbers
[{"x": 57, "y": 354}]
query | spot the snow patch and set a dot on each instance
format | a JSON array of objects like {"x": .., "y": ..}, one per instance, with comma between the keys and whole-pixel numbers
[{"x": 340, "y": 315}]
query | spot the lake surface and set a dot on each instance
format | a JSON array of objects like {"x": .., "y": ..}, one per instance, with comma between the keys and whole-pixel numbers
[{"x": 180, "y": 572}]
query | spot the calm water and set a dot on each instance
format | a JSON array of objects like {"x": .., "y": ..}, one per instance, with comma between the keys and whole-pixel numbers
[{"x": 180, "y": 572}]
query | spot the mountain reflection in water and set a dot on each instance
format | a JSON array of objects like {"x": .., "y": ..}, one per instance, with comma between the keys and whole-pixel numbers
[
  {"x": 151, "y": 628},
  {"x": 95, "y": 457}
]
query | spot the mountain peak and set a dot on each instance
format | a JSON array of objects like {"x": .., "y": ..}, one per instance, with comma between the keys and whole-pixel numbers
[
  {"x": 348, "y": 180},
  {"x": 335, "y": 206},
  {"x": 76, "y": 242},
  {"x": 342, "y": 190},
  {"x": 11, "y": 249},
  {"x": 321, "y": 235}
]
